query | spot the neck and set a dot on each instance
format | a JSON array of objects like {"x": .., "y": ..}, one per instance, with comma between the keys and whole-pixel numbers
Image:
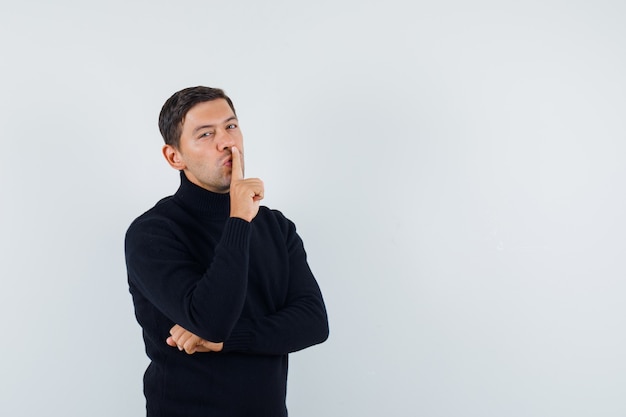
[{"x": 202, "y": 200}]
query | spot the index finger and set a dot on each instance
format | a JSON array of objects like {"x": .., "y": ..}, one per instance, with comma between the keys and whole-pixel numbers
[{"x": 237, "y": 169}]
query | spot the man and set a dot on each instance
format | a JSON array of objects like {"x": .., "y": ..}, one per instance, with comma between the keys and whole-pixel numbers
[{"x": 220, "y": 284}]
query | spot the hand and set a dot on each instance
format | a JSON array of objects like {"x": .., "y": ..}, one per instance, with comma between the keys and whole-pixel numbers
[
  {"x": 189, "y": 342},
  {"x": 245, "y": 194}
]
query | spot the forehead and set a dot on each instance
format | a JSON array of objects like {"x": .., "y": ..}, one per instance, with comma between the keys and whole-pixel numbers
[{"x": 208, "y": 113}]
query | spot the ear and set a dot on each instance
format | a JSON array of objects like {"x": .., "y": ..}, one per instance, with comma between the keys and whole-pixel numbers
[{"x": 173, "y": 157}]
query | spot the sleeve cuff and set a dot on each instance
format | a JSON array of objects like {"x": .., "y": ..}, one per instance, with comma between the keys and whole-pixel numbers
[
  {"x": 240, "y": 338},
  {"x": 237, "y": 233}
]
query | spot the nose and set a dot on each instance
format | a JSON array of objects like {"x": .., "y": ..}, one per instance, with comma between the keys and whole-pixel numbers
[{"x": 224, "y": 140}]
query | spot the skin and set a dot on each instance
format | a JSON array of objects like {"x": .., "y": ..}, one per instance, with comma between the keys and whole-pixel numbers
[
  {"x": 210, "y": 153},
  {"x": 189, "y": 342}
]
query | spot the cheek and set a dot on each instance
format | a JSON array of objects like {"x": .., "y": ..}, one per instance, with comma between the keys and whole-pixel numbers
[{"x": 237, "y": 137}]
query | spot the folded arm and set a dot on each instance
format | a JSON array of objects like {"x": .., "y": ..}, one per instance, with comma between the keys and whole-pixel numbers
[
  {"x": 301, "y": 322},
  {"x": 205, "y": 301}
]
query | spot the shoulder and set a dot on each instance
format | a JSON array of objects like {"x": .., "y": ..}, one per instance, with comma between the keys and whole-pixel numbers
[
  {"x": 275, "y": 222},
  {"x": 269, "y": 214},
  {"x": 157, "y": 216}
]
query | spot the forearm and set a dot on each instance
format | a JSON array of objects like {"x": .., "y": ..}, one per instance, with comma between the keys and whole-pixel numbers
[
  {"x": 206, "y": 301},
  {"x": 301, "y": 321},
  {"x": 294, "y": 328}
]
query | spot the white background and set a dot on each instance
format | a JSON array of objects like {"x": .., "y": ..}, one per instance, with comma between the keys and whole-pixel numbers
[{"x": 455, "y": 168}]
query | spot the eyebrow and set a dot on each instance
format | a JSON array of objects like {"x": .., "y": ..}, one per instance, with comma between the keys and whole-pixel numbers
[{"x": 231, "y": 118}]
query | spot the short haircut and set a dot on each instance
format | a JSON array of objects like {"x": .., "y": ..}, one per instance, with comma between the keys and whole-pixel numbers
[{"x": 175, "y": 109}]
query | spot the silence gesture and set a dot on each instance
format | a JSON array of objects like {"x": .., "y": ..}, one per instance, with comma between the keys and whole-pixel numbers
[{"x": 245, "y": 193}]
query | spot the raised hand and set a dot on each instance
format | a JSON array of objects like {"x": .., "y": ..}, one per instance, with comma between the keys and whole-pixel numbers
[{"x": 245, "y": 193}]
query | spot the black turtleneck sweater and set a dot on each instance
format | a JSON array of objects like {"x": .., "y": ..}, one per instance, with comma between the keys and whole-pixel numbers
[{"x": 226, "y": 280}]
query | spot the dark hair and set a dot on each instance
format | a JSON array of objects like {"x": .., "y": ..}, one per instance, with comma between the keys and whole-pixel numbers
[{"x": 176, "y": 107}]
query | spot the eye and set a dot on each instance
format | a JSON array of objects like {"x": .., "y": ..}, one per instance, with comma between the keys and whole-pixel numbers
[
  {"x": 206, "y": 134},
  {"x": 231, "y": 126}
]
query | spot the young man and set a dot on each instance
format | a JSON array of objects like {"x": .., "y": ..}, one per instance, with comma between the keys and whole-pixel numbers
[{"x": 220, "y": 284}]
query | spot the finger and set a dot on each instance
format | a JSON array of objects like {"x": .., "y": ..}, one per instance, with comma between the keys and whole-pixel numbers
[
  {"x": 259, "y": 192},
  {"x": 255, "y": 188},
  {"x": 191, "y": 344},
  {"x": 212, "y": 346},
  {"x": 237, "y": 166},
  {"x": 171, "y": 342},
  {"x": 178, "y": 337},
  {"x": 202, "y": 349},
  {"x": 176, "y": 330},
  {"x": 187, "y": 341}
]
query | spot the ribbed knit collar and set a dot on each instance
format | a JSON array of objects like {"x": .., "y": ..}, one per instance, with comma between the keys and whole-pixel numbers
[{"x": 198, "y": 199}]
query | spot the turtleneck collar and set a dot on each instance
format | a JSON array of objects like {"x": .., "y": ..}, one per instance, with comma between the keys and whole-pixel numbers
[{"x": 198, "y": 199}]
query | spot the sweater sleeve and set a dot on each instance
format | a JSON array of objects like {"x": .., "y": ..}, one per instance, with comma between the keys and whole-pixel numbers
[
  {"x": 300, "y": 323},
  {"x": 206, "y": 302}
]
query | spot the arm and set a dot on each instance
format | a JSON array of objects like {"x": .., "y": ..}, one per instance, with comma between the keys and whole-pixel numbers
[
  {"x": 161, "y": 266},
  {"x": 300, "y": 323},
  {"x": 164, "y": 263}
]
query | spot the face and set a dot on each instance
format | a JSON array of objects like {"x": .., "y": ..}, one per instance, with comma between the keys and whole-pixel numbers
[{"x": 210, "y": 130}]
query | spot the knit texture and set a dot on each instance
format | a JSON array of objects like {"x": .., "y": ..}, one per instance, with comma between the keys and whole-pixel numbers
[{"x": 245, "y": 284}]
